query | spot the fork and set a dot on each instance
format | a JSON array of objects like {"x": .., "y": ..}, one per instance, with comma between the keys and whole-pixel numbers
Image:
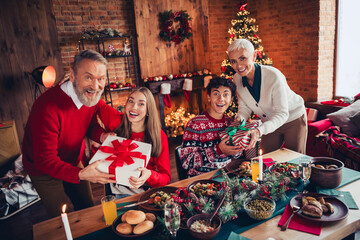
[{"x": 295, "y": 209}]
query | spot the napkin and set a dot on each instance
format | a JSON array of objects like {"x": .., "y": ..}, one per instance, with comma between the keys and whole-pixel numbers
[
  {"x": 235, "y": 236},
  {"x": 299, "y": 223},
  {"x": 347, "y": 199},
  {"x": 268, "y": 161}
]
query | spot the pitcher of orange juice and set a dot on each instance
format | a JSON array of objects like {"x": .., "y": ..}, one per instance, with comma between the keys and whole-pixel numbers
[
  {"x": 109, "y": 208},
  {"x": 255, "y": 169}
]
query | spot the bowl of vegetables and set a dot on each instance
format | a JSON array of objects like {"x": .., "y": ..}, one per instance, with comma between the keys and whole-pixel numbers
[
  {"x": 203, "y": 187},
  {"x": 288, "y": 169},
  {"x": 260, "y": 208}
]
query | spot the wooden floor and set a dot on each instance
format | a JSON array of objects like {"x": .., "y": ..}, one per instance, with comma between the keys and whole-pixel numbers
[{"x": 19, "y": 226}]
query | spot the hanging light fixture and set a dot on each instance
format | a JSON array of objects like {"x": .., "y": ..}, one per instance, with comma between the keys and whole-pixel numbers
[{"x": 44, "y": 76}]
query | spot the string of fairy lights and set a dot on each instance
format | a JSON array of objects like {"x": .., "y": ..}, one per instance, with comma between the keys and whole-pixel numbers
[{"x": 175, "y": 122}]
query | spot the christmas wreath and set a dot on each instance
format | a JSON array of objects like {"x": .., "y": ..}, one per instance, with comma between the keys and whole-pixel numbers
[{"x": 167, "y": 30}]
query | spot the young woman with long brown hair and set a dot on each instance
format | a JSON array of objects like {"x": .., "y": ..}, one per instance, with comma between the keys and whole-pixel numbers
[{"x": 140, "y": 122}]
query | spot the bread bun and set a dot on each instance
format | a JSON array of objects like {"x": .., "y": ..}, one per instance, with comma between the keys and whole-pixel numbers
[
  {"x": 332, "y": 166},
  {"x": 312, "y": 211},
  {"x": 310, "y": 198},
  {"x": 324, "y": 208},
  {"x": 135, "y": 217},
  {"x": 124, "y": 228},
  {"x": 143, "y": 227},
  {"x": 321, "y": 200},
  {"x": 123, "y": 217},
  {"x": 330, "y": 206},
  {"x": 320, "y": 166},
  {"x": 315, "y": 203},
  {"x": 150, "y": 217},
  {"x": 304, "y": 201}
]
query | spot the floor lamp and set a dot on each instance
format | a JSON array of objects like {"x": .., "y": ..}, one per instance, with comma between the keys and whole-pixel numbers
[{"x": 43, "y": 76}]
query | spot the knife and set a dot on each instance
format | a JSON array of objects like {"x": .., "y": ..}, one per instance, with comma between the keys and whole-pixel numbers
[{"x": 133, "y": 204}]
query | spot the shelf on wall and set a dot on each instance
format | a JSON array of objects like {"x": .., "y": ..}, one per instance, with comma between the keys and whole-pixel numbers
[{"x": 100, "y": 42}]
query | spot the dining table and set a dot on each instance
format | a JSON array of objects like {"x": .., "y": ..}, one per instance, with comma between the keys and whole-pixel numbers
[{"x": 91, "y": 219}]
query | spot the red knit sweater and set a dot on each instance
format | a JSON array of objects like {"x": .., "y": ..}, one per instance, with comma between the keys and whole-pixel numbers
[
  {"x": 54, "y": 135},
  {"x": 159, "y": 166}
]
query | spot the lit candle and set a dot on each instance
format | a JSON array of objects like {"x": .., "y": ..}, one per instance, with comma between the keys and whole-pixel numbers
[
  {"x": 66, "y": 223},
  {"x": 260, "y": 165}
]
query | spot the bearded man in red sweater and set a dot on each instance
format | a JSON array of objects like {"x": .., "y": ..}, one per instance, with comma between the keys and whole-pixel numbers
[{"x": 54, "y": 135}]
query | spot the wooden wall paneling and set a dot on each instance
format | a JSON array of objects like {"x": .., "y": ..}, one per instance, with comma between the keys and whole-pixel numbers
[
  {"x": 29, "y": 40},
  {"x": 160, "y": 58}
]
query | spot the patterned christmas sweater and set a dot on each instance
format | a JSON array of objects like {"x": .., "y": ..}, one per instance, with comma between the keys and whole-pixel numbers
[{"x": 200, "y": 150}]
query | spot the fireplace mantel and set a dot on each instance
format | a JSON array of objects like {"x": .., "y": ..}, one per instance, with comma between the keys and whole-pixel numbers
[{"x": 176, "y": 86}]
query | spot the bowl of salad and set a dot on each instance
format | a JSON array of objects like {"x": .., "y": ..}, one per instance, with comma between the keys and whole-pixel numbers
[
  {"x": 204, "y": 187},
  {"x": 285, "y": 168}
]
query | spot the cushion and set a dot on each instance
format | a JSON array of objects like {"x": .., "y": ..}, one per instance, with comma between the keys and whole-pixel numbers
[
  {"x": 355, "y": 119},
  {"x": 341, "y": 118}
]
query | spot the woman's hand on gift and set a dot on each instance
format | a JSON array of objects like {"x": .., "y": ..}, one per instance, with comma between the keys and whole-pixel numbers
[
  {"x": 91, "y": 174},
  {"x": 138, "y": 182},
  {"x": 255, "y": 135},
  {"x": 103, "y": 136},
  {"x": 227, "y": 149}
]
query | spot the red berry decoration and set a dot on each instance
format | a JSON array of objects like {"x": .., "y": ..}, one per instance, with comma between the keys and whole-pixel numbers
[{"x": 151, "y": 79}]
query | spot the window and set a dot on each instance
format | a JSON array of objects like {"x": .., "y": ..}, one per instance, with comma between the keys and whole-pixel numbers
[{"x": 348, "y": 49}]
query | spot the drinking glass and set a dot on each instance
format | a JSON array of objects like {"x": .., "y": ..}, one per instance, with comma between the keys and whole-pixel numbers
[
  {"x": 172, "y": 217},
  {"x": 304, "y": 170},
  {"x": 255, "y": 169},
  {"x": 109, "y": 208}
]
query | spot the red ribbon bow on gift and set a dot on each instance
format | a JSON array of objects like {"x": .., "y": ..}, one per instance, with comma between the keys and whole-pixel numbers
[{"x": 121, "y": 153}]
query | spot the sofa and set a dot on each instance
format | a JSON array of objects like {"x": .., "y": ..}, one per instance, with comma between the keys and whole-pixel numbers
[{"x": 337, "y": 135}]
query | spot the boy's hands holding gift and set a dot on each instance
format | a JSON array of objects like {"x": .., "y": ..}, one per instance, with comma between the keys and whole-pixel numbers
[
  {"x": 91, "y": 174},
  {"x": 255, "y": 135},
  {"x": 227, "y": 149},
  {"x": 138, "y": 182}
]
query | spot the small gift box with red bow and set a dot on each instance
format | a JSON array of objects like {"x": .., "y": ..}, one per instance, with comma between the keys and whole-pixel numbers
[
  {"x": 122, "y": 157},
  {"x": 237, "y": 131}
]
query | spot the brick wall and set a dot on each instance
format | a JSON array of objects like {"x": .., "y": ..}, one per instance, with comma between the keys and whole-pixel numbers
[
  {"x": 297, "y": 35},
  {"x": 75, "y": 16},
  {"x": 289, "y": 30}
]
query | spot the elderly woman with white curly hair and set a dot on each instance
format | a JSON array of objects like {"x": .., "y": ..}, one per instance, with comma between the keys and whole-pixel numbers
[{"x": 264, "y": 91}]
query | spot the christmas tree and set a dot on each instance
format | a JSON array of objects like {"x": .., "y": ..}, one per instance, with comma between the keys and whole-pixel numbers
[{"x": 242, "y": 26}]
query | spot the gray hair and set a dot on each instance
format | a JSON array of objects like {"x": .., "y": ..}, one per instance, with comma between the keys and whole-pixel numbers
[
  {"x": 241, "y": 43},
  {"x": 88, "y": 54}
]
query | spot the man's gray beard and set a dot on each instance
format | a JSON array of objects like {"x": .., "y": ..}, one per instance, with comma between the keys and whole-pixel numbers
[{"x": 83, "y": 99}]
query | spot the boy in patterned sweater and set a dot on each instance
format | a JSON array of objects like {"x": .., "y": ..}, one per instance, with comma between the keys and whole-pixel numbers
[{"x": 202, "y": 149}]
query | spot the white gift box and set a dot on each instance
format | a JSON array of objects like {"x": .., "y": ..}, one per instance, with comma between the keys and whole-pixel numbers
[{"x": 123, "y": 173}]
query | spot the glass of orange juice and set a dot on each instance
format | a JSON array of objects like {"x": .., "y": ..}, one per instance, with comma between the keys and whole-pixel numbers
[
  {"x": 255, "y": 169},
  {"x": 109, "y": 208}
]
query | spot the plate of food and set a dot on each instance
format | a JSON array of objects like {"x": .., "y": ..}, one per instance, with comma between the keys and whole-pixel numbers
[
  {"x": 157, "y": 198},
  {"x": 319, "y": 207},
  {"x": 241, "y": 167},
  {"x": 135, "y": 224},
  {"x": 203, "y": 187}
]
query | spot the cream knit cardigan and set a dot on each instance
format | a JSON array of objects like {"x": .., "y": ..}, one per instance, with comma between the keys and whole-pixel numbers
[{"x": 278, "y": 104}]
